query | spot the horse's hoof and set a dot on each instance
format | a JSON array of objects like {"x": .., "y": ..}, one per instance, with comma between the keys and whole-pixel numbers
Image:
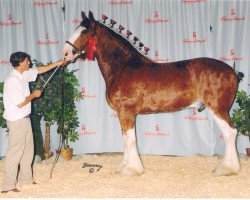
[
  {"x": 131, "y": 171},
  {"x": 120, "y": 166},
  {"x": 224, "y": 170}
]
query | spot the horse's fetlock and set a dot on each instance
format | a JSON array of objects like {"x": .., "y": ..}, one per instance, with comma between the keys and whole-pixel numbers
[
  {"x": 130, "y": 170},
  {"x": 225, "y": 169}
]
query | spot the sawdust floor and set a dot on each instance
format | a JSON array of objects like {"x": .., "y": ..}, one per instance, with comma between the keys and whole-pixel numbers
[{"x": 165, "y": 176}]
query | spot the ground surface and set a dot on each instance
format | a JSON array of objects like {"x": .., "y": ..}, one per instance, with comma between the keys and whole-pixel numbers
[{"x": 164, "y": 176}]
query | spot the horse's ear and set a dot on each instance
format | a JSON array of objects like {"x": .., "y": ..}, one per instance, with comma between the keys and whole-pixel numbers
[
  {"x": 92, "y": 22},
  {"x": 83, "y": 15},
  {"x": 91, "y": 16}
]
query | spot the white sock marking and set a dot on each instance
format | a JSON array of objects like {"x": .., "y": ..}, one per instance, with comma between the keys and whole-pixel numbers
[{"x": 231, "y": 157}]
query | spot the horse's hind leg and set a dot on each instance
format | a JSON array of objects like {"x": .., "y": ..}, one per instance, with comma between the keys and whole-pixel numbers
[
  {"x": 131, "y": 164},
  {"x": 230, "y": 164}
]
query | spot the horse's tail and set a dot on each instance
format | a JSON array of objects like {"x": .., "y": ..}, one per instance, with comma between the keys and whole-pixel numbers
[{"x": 240, "y": 76}]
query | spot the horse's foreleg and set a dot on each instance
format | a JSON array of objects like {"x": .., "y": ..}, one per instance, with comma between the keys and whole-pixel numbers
[
  {"x": 125, "y": 155},
  {"x": 230, "y": 164},
  {"x": 131, "y": 164}
]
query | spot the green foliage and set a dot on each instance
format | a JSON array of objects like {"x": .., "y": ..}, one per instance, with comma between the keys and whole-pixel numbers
[
  {"x": 241, "y": 115},
  {"x": 37, "y": 133},
  {"x": 1, "y": 87},
  {"x": 2, "y": 120},
  {"x": 55, "y": 100}
]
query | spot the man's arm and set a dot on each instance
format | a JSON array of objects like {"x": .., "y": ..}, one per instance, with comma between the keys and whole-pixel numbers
[
  {"x": 35, "y": 94},
  {"x": 45, "y": 68}
]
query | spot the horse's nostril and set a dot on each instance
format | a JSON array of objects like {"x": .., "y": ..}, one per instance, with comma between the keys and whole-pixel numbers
[{"x": 66, "y": 54}]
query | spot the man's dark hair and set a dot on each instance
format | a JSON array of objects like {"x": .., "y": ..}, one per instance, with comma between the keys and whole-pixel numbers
[{"x": 19, "y": 57}]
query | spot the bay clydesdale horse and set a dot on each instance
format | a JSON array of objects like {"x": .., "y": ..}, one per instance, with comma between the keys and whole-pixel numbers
[{"x": 137, "y": 85}]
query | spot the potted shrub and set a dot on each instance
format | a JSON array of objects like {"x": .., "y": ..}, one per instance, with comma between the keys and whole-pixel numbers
[
  {"x": 51, "y": 104},
  {"x": 69, "y": 122},
  {"x": 47, "y": 105},
  {"x": 241, "y": 115}
]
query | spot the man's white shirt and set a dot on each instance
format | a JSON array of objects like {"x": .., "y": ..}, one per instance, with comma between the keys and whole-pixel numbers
[{"x": 16, "y": 89}]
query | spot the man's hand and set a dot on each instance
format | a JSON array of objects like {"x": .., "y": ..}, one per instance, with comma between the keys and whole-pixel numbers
[
  {"x": 37, "y": 93},
  {"x": 61, "y": 62}
]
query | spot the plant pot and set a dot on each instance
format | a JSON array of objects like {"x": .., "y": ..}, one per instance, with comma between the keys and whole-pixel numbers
[
  {"x": 48, "y": 155},
  {"x": 67, "y": 153},
  {"x": 248, "y": 151}
]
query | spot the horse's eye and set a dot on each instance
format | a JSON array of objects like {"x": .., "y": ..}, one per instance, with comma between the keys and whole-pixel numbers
[{"x": 84, "y": 31}]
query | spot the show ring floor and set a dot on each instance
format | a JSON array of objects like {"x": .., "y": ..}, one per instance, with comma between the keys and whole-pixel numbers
[{"x": 165, "y": 176}]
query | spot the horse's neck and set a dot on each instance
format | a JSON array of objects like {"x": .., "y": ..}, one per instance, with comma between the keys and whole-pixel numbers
[{"x": 109, "y": 55}]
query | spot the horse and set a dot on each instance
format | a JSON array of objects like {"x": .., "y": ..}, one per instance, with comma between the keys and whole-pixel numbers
[{"x": 136, "y": 85}]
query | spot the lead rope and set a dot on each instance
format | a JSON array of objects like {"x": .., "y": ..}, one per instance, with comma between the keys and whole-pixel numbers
[
  {"x": 60, "y": 128},
  {"x": 79, "y": 53}
]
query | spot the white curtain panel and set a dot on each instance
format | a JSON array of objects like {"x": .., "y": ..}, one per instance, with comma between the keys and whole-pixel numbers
[{"x": 173, "y": 30}]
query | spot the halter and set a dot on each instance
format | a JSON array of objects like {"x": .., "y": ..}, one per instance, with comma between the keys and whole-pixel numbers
[
  {"x": 78, "y": 52},
  {"x": 91, "y": 49},
  {"x": 74, "y": 47}
]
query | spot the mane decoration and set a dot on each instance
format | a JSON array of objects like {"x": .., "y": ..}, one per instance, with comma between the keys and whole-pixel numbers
[{"x": 126, "y": 36}]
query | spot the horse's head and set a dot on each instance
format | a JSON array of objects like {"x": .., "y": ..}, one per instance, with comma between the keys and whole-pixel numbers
[{"x": 82, "y": 39}]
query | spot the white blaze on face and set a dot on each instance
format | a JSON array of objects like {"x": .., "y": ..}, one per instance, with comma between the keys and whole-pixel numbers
[{"x": 67, "y": 49}]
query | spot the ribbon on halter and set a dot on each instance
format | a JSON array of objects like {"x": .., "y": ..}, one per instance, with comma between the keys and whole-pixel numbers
[{"x": 91, "y": 49}]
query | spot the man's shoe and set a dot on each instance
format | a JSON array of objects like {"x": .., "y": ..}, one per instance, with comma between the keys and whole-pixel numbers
[{"x": 13, "y": 190}]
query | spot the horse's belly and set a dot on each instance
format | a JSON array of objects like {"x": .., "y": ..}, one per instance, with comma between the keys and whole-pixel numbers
[{"x": 167, "y": 104}]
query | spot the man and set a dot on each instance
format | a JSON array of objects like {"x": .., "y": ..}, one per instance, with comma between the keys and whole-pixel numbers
[{"x": 17, "y": 103}]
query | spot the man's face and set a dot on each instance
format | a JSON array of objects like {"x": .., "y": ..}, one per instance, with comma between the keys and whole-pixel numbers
[{"x": 25, "y": 64}]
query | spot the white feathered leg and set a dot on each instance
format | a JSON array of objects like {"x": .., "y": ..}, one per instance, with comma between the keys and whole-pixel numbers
[
  {"x": 125, "y": 155},
  {"x": 131, "y": 164},
  {"x": 230, "y": 164}
]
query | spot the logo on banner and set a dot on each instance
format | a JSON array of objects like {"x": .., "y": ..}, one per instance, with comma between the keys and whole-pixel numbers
[
  {"x": 158, "y": 59},
  {"x": 86, "y": 131},
  {"x": 5, "y": 62},
  {"x": 44, "y": 3},
  {"x": 193, "y": 1},
  {"x": 10, "y": 22},
  {"x": 194, "y": 39},
  {"x": 231, "y": 57},
  {"x": 156, "y": 19},
  {"x": 47, "y": 41},
  {"x": 120, "y": 2},
  {"x": 195, "y": 116},
  {"x": 85, "y": 95},
  {"x": 156, "y": 132},
  {"x": 233, "y": 17}
]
